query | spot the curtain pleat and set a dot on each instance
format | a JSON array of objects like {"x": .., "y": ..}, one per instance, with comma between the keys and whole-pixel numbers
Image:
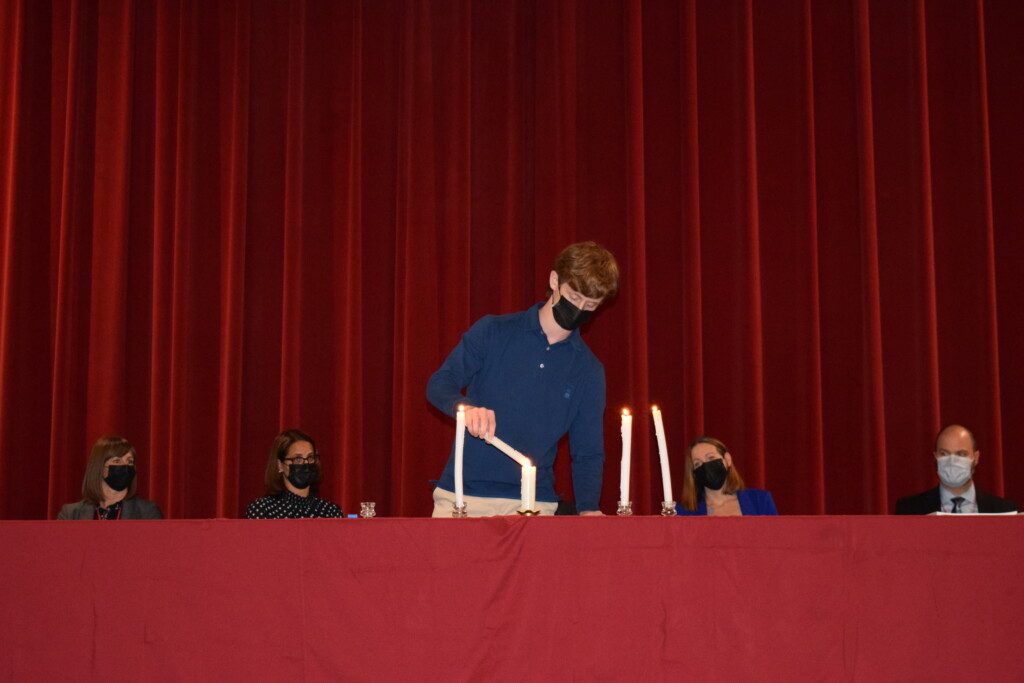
[
  {"x": 220, "y": 220},
  {"x": 232, "y": 108},
  {"x": 874, "y": 392},
  {"x": 996, "y": 442},
  {"x": 812, "y": 422},
  {"x": 293, "y": 266},
  {"x": 691, "y": 290},
  {"x": 346, "y": 258},
  {"x": 930, "y": 374},
  {"x": 753, "y": 225},
  {"x": 67, "y": 425},
  {"x": 11, "y": 25},
  {"x": 634, "y": 253}
]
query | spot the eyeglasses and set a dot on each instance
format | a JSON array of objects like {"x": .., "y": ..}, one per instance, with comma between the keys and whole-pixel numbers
[{"x": 310, "y": 459}]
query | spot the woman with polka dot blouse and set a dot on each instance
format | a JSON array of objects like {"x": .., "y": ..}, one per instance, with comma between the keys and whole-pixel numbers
[{"x": 293, "y": 475}]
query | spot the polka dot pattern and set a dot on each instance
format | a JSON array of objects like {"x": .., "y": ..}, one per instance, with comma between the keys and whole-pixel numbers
[{"x": 287, "y": 505}]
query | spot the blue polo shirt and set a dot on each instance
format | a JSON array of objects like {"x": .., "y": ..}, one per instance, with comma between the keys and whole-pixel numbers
[{"x": 539, "y": 392}]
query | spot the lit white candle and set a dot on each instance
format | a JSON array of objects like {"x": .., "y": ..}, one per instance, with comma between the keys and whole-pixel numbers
[
  {"x": 509, "y": 451},
  {"x": 627, "y": 440},
  {"x": 460, "y": 444},
  {"x": 529, "y": 486},
  {"x": 666, "y": 476}
]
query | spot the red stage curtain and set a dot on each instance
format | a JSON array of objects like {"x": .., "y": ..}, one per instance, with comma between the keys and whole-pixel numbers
[{"x": 223, "y": 219}]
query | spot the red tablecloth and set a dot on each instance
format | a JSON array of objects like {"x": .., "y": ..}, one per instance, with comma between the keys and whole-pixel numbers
[{"x": 642, "y": 598}]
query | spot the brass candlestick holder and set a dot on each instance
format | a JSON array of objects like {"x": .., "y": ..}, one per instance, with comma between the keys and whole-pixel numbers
[
  {"x": 528, "y": 513},
  {"x": 668, "y": 508},
  {"x": 625, "y": 508},
  {"x": 459, "y": 510}
]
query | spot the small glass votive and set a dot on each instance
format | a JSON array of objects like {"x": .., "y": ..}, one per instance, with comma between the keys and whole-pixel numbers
[{"x": 367, "y": 509}]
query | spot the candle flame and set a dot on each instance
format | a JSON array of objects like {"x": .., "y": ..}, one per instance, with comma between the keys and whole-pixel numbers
[
  {"x": 654, "y": 409},
  {"x": 462, "y": 408},
  {"x": 625, "y": 411}
]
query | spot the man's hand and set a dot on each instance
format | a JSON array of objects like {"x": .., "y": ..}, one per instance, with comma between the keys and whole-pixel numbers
[
  {"x": 592, "y": 513},
  {"x": 480, "y": 422}
]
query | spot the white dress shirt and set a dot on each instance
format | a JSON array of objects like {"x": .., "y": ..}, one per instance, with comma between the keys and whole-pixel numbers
[{"x": 970, "y": 504}]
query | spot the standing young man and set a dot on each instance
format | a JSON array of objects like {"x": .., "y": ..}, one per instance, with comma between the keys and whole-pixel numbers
[{"x": 529, "y": 380}]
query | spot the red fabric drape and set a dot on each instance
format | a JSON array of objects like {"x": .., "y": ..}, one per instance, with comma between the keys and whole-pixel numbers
[
  {"x": 223, "y": 219},
  {"x": 793, "y": 599}
]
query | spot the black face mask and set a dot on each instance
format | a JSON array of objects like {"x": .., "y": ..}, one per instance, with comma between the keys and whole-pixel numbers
[
  {"x": 567, "y": 315},
  {"x": 711, "y": 475},
  {"x": 119, "y": 477},
  {"x": 301, "y": 476}
]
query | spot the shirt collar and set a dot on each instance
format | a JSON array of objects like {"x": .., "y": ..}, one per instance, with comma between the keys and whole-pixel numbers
[
  {"x": 294, "y": 498},
  {"x": 946, "y": 496},
  {"x": 533, "y": 325}
]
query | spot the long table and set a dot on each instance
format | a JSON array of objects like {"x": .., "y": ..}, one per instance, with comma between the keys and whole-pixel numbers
[{"x": 514, "y": 599}]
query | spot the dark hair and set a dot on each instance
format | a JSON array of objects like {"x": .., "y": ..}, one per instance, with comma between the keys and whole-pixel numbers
[
  {"x": 106, "y": 448},
  {"x": 690, "y": 496},
  {"x": 274, "y": 478},
  {"x": 589, "y": 269}
]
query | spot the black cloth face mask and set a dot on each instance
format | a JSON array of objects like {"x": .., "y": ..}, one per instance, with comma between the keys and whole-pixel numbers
[
  {"x": 301, "y": 476},
  {"x": 711, "y": 475},
  {"x": 567, "y": 315},
  {"x": 119, "y": 477}
]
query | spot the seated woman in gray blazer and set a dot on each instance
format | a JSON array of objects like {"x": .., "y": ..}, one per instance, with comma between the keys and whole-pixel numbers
[{"x": 109, "y": 485}]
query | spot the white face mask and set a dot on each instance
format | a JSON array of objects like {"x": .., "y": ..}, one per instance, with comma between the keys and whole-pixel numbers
[{"x": 954, "y": 470}]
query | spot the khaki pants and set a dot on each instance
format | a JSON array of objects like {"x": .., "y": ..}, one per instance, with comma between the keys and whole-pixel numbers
[{"x": 477, "y": 506}]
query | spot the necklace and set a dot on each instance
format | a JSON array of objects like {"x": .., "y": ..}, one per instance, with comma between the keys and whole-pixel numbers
[
  {"x": 112, "y": 512},
  {"x": 711, "y": 507}
]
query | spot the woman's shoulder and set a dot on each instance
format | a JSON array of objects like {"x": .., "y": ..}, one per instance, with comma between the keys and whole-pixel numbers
[
  {"x": 73, "y": 510},
  {"x": 760, "y": 499},
  {"x": 701, "y": 510},
  {"x": 261, "y": 506},
  {"x": 140, "y": 508},
  {"x": 326, "y": 508}
]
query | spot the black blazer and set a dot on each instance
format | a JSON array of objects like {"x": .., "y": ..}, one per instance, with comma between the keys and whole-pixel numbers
[
  {"x": 132, "y": 508},
  {"x": 929, "y": 502}
]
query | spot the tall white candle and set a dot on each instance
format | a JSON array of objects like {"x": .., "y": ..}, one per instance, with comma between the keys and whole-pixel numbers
[
  {"x": 460, "y": 444},
  {"x": 509, "y": 451},
  {"x": 529, "y": 486},
  {"x": 666, "y": 476},
  {"x": 627, "y": 440}
]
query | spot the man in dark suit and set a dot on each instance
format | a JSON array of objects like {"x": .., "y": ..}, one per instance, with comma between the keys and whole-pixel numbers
[{"x": 956, "y": 457}]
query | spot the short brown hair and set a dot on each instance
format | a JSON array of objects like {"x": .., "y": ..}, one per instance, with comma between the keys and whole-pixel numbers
[
  {"x": 589, "y": 269},
  {"x": 106, "y": 448},
  {"x": 274, "y": 478},
  {"x": 733, "y": 481}
]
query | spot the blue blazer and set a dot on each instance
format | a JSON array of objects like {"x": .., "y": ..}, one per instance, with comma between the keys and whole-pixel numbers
[{"x": 752, "y": 502}]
